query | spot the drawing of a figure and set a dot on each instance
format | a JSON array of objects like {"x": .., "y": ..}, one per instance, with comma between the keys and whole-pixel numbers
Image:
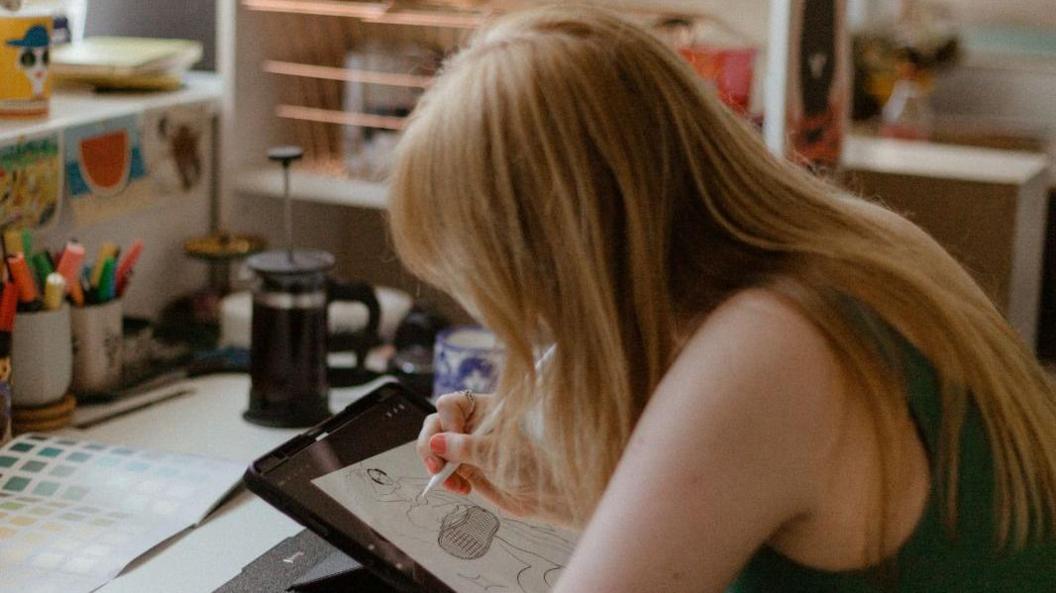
[
  {"x": 33, "y": 57},
  {"x": 534, "y": 554}
]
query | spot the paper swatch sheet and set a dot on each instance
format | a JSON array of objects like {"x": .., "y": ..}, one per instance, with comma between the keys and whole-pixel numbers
[
  {"x": 74, "y": 513},
  {"x": 466, "y": 542}
]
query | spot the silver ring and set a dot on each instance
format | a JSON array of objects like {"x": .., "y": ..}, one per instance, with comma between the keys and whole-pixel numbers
[{"x": 472, "y": 402}]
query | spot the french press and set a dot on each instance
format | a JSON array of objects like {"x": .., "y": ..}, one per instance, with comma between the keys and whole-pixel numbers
[{"x": 289, "y": 345}]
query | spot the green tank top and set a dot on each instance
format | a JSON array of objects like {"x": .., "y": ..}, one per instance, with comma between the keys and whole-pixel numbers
[{"x": 930, "y": 561}]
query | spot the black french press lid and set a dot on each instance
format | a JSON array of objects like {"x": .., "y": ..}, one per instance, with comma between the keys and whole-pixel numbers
[
  {"x": 299, "y": 270},
  {"x": 282, "y": 262}
]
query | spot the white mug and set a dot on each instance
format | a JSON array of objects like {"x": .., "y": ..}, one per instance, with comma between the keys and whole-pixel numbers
[
  {"x": 97, "y": 348},
  {"x": 41, "y": 357}
]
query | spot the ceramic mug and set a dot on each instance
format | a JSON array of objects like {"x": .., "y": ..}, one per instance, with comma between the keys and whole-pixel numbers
[
  {"x": 98, "y": 352},
  {"x": 25, "y": 48},
  {"x": 466, "y": 357},
  {"x": 41, "y": 357}
]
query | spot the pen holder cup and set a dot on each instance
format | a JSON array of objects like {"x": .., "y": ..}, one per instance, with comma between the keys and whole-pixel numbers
[
  {"x": 466, "y": 357},
  {"x": 98, "y": 348},
  {"x": 41, "y": 358}
]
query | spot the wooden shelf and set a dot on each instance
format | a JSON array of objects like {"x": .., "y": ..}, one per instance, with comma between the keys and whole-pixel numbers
[
  {"x": 74, "y": 107},
  {"x": 359, "y": 10},
  {"x": 371, "y": 12},
  {"x": 314, "y": 186},
  {"x": 344, "y": 118},
  {"x": 347, "y": 74}
]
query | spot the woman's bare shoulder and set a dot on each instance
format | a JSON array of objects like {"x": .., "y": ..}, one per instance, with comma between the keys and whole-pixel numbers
[{"x": 757, "y": 359}]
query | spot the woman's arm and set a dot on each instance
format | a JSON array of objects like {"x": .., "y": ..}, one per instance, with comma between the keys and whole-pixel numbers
[{"x": 732, "y": 447}]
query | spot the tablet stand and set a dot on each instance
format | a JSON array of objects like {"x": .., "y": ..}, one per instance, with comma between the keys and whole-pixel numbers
[{"x": 304, "y": 563}]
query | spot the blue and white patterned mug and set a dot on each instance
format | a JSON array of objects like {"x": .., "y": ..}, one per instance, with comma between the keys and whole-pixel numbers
[{"x": 466, "y": 357}]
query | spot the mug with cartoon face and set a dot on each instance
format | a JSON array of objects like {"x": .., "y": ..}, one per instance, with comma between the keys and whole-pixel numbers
[{"x": 25, "y": 55}]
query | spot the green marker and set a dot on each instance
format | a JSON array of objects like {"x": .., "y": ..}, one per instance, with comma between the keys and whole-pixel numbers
[
  {"x": 42, "y": 267},
  {"x": 27, "y": 242},
  {"x": 107, "y": 282}
]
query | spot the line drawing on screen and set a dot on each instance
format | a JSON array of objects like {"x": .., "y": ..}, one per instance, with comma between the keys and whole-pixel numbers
[{"x": 462, "y": 538}]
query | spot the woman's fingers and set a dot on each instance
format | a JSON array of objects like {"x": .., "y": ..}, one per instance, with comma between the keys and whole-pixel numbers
[
  {"x": 454, "y": 415},
  {"x": 458, "y": 484},
  {"x": 454, "y": 410},
  {"x": 458, "y": 448}
]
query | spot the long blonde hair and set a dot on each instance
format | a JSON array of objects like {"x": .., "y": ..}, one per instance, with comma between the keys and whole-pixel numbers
[{"x": 571, "y": 180}]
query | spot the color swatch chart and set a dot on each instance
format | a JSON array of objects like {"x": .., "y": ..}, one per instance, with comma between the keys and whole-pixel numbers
[{"x": 74, "y": 513}]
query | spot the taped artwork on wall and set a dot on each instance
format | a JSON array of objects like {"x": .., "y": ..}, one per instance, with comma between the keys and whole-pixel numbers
[
  {"x": 177, "y": 144},
  {"x": 30, "y": 181},
  {"x": 105, "y": 169}
]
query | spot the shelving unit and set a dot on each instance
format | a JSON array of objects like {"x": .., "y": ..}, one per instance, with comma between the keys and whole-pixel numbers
[
  {"x": 287, "y": 66},
  {"x": 313, "y": 186}
]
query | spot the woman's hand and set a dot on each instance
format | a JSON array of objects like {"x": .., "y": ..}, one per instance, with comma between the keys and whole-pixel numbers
[{"x": 445, "y": 439}]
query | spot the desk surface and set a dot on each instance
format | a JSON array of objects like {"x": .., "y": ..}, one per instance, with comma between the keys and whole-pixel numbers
[{"x": 206, "y": 422}]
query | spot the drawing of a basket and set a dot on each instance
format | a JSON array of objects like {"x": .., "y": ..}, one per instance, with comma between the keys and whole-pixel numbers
[{"x": 467, "y": 534}]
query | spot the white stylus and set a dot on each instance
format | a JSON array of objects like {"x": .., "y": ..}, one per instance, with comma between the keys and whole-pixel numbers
[{"x": 483, "y": 428}]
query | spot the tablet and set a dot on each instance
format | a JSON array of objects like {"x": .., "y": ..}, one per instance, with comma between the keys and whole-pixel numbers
[{"x": 355, "y": 480}]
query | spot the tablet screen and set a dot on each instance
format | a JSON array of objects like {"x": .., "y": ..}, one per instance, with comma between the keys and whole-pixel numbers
[
  {"x": 383, "y": 420},
  {"x": 464, "y": 541},
  {"x": 356, "y": 481}
]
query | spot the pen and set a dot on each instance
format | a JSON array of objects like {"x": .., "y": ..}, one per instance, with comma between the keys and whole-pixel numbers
[
  {"x": 54, "y": 289},
  {"x": 8, "y": 305},
  {"x": 27, "y": 288},
  {"x": 69, "y": 267},
  {"x": 485, "y": 427},
  {"x": 27, "y": 242},
  {"x": 42, "y": 266},
  {"x": 104, "y": 292},
  {"x": 128, "y": 262},
  {"x": 107, "y": 251},
  {"x": 12, "y": 242}
]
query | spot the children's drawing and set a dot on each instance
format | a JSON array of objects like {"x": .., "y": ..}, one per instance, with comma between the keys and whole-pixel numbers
[
  {"x": 177, "y": 143},
  {"x": 102, "y": 158},
  {"x": 105, "y": 169},
  {"x": 464, "y": 541},
  {"x": 30, "y": 181}
]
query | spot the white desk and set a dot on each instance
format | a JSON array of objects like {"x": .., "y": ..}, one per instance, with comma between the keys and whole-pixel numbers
[{"x": 207, "y": 422}]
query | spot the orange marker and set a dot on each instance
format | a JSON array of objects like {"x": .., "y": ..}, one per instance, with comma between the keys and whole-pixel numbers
[
  {"x": 8, "y": 305},
  {"x": 70, "y": 268},
  {"x": 27, "y": 288}
]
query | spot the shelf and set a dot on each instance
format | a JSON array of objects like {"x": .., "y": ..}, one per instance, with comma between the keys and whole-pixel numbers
[
  {"x": 942, "y": 161},
  {"x": 344, "y": 118},
  {"x": 370, "y": 12},
  {"x": 74, "y": 107},
  {"x": 347, "y": 74},
  {"x": 313, "y": 186},
  {"x": 361, "y": 10}
]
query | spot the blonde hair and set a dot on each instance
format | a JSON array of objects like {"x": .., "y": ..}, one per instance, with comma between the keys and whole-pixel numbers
[{"x": 570, "y": 179}]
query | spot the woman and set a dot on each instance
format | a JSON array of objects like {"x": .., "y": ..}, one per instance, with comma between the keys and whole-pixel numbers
[{"x": 757, "y": 381}]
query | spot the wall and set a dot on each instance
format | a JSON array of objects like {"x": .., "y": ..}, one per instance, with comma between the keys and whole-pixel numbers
[
  {"x": 182, "y": 19},
  {"x": 1033, "y": 13}
]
